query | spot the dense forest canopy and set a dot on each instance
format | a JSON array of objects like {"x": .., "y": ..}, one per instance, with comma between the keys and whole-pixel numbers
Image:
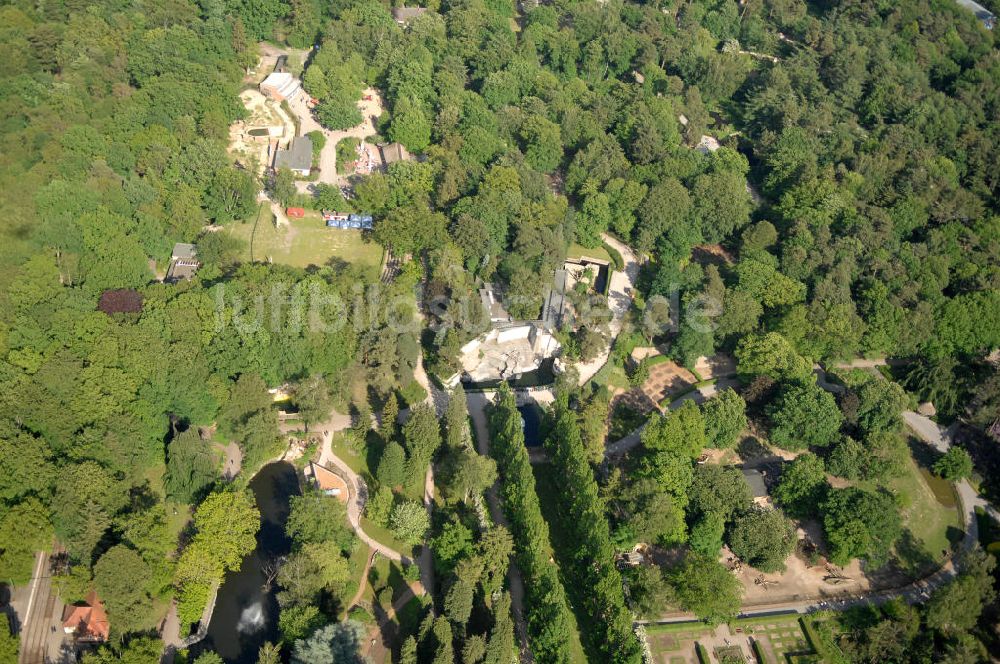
[{"x": 853, "y": 209}]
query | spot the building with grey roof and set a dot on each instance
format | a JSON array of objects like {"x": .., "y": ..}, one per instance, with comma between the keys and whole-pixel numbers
[
  {"x": 183, "y": 262},
  {"x": 393, "y": 152},
  {"x": 492, "y": 304},
  {"x": 555, "y": 301},
  {"x": 758, "y": 488},
  {"x": 403, "y": 15},
  {"x": 298, "y": 156}
]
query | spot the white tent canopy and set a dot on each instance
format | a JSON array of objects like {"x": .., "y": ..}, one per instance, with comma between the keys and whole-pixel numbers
[{"x": 280, "y": 85}]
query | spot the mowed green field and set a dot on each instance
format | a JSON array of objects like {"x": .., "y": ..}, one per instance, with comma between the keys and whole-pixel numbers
[
  {"x": 306, "y": 242},
  {"x": 577, "y": 251},
  {"x": 932, "y": 524},
  {"x": 933, "y": 520}
]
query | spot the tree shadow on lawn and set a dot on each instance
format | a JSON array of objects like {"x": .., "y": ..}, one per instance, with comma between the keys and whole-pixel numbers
[
  {"x": 925, "y": 455},
  {"x": 392, "y": 580},
  {"x": 406, "y": 621},
  {"x": 912, "y": 557},
  {"x": 374, "y": 446},
  {"x": 753, "y": 449}
]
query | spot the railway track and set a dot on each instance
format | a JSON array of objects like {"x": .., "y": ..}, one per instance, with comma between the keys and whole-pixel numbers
[{"x": 38, "y": 617}]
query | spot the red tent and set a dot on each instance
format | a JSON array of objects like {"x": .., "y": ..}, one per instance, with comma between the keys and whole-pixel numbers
[{"x": 295, "y": 212}]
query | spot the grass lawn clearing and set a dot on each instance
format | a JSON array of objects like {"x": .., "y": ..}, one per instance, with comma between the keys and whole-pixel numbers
[
  {"x": 385, "y": 536},
  {"x": 306, "y": 241},
  {"x": 345, "y": 452},
  {"x": 931, "y": 524},
  {"x": 386, "y": 574},
  {"x": 410, "y": 614},
  {"x": 578, "y": 251},
  {"x": 612, "y": 376}
]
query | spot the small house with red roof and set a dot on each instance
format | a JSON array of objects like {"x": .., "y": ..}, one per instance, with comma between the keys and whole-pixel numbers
[{"x": 87, "y": 622}]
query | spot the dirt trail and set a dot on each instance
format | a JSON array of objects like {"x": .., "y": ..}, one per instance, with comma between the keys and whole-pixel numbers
[{"x": 363, "y": 583}]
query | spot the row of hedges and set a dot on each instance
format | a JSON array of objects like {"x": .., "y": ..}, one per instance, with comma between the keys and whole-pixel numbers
[
  {"x": 582, "y": 513},
  {"x": 617, "y": 261},
  {"x": 821, "y": 641}
]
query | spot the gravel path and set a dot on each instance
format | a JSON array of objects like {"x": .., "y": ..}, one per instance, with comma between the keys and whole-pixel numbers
[
  {"x": 370, "y": 110},
  {"x": 619, "y": 300}
]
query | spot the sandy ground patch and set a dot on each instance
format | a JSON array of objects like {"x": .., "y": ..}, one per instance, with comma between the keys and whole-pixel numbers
[
  {"x": 800, "y": 580},
  {"x": 264, "y": 117},
  {"x": 714, "y": 367}
]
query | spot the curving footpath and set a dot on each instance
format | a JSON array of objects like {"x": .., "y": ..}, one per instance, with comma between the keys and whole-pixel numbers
[
  {"x": 918, "y": 591},
  {"x": 359, "y": 496}
]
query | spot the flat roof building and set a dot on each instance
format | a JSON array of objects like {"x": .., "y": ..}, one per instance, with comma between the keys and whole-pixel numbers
[
  {"x": 393, "y": 152},
  {"x": 758, "y": 487},
  {"x": 494, "y": 307},
  {"x": 184, "y": 251}
]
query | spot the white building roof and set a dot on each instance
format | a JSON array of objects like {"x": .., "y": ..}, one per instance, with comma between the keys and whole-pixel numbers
[{"x": 284, "y": 83}]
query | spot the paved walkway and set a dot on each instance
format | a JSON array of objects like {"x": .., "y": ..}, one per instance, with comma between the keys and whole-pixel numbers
[
  {"x": 370, "y": 110},
  {"x": 359, "y": 496},
  {"x": 170, "y": 633}
]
